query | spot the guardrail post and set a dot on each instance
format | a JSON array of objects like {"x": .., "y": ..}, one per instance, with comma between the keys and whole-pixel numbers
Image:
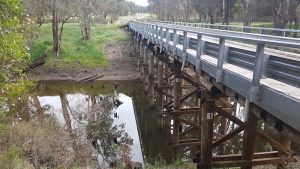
[
  {"x": 200, "y": 52},
  {"x": 257, "y": 73},
  {"x": 147, "y": 31},
  {"x": 142, "y": 30},
  {"x": 156, "y": 34},
  {"x": 184, "y": 49},
  {"x": 168, "y": 37},
  {"x": 152, "y": 32},
  {"x": 223, "y": 52},
  {"x": 175, "y": 41},
  {"x": 161, "y": 38},
  {"x": 261, "y": 31}
]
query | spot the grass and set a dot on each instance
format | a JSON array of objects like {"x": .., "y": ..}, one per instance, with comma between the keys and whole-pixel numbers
[
  {"x": 175, "y": 165},
  {"x": 73, "y": 49}
]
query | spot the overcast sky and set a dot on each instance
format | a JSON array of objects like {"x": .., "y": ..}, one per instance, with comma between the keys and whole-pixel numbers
[{"x": 140, "y": 2}]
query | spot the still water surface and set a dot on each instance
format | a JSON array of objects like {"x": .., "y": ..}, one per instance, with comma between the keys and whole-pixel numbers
[
  {"x": 112, "y": 114},
  {"x": 79, "y": 107}
]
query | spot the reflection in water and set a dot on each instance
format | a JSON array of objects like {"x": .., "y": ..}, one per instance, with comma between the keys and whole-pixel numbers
[
  {"x": 117, "y": 127},
  {"x": 106, "y": 120}
]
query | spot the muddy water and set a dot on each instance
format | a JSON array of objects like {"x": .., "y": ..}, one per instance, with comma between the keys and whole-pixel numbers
[{"x": 106, "y": 115}]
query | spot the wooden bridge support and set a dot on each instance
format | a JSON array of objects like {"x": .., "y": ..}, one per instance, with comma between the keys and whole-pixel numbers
[
  {"x": 207, "y": 121},
  {"x": 160, "y": 76},
  {"x": 249, "y": 135},
  {"x": 145, "y": 64},
  {"x": 177, "y": 96},
  {"x": 151, "y": 74}
]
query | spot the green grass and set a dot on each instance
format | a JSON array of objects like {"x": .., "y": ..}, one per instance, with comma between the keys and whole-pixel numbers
[
  {"x": 176, "y": 164},
  {"x": 74, "y": 49}
]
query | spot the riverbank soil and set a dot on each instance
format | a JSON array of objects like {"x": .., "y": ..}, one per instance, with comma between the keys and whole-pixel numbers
[{"x": 121, "y": 65}]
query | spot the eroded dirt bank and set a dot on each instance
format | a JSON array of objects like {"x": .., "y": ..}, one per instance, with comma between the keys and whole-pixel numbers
[{"x": 122, "y": 65}]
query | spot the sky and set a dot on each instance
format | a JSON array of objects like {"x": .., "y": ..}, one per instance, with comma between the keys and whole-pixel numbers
[{"x": 140, "y": 2}]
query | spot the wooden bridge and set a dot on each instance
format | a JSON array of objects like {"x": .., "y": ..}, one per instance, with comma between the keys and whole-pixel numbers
[{"x": 201, "y": 77}]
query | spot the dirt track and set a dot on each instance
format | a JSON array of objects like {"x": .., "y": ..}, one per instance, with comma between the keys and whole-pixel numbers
[{"x": 122, "y": 66}]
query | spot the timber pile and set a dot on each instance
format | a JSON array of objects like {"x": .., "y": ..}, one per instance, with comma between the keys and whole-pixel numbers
[{"x": 89, "y": 79}]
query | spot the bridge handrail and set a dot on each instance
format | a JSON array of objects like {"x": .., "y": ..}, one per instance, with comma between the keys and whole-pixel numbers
[
  {"x": 256, "y": 38},
  {"x": 262, "y": 30}
]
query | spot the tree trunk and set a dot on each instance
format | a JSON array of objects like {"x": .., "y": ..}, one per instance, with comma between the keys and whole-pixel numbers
[
  {"x": 211, "y": 17},
  {"x": 247, "y": 14},
  {"x": 86, "y": 27},
  {"x": 296, "y": 19},
  {"x": 55, "y": 30},
  {"x": 281, "y": 14},
  {"x": 225, "y": 19}
]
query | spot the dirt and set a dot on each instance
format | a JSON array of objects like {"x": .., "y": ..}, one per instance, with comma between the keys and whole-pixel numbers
[
  {"x": 122, "y": 65},
  {"x": 295, "y": 165}
]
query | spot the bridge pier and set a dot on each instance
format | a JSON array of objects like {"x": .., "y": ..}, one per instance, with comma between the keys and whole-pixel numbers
[
  {"x": 151, "y": 73},
  {"x": 145, "y": 64},
  {"x": 160, "y": 76},
  {"x": 286, "y": 141},
  {"x": 207, "y": 121},
  {"x": 249, "y": 138},
  {"x": 177, "y": 96}
]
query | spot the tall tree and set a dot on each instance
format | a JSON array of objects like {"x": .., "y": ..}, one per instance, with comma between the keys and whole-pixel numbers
[
  {"x": 227, "y": 7},
  {"x": 247, "y": 12},
  {"x": 62, "y": 11}
]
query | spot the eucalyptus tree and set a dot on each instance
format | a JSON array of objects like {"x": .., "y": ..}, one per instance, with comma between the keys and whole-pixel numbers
[
  {"x": 59, "y": 10},
  {"x": 227, "y": 6},
  {"x": 85, "y": 11}
]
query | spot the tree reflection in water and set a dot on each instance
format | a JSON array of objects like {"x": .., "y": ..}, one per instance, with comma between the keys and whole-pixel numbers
[
  {"x": 90, "y": 121},
  {"x": 111, "y": 141}
]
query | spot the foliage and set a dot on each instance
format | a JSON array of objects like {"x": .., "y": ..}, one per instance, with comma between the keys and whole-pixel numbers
[
  {"x": 10, "y": 159},
  {"x": 74, "y": 50},
  {"x": 43, "y": 143},
  {"x": 280, "y": 12},
  {"x": 13, "y": 53}
]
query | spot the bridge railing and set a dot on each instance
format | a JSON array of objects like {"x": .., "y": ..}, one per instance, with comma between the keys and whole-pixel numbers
[
  {"x": 250, "y": 29},
  {"x": 191, "y": 44}
]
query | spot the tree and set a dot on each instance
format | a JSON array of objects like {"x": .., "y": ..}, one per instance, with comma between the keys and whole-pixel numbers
[
  {"x": 13, "y": 51},
  {"x": 227, "y": 7},
  {"x": 209, "y": 9},
  {"x": 247, "y": 5},
  {"x": 62, "y": 11}
]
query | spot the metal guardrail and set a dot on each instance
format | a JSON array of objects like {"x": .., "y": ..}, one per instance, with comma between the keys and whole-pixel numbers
[
  {"x": 250, "y": 29},
  {"x": 181, "y": 40}
]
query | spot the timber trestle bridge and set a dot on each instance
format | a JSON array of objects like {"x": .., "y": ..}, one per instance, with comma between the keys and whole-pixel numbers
[{"x": 202, "y": 77}]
